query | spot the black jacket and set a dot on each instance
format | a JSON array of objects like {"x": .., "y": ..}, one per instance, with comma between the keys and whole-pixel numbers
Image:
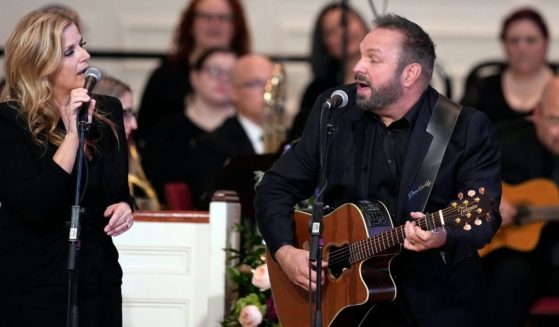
[{"x": 439, "y": 293}]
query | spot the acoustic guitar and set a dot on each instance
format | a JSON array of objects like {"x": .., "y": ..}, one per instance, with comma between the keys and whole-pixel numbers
[
  {"x": 359, "y": 243},
  {"x": 537, "y": 202}
]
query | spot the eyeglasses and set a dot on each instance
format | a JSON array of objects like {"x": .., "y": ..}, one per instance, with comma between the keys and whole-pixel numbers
[
  {"x": 551, "y": 120},
  {"x": 128, "y": 113},
  {"x": 220, "y": 18},
  {"x": 255, "y": 83},
  {"x": 216, "y": 72}
]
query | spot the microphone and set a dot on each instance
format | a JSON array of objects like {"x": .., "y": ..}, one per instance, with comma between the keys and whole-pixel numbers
[
  {"x": 92, "y": 76},
  {"x": 338, "y": 99}
]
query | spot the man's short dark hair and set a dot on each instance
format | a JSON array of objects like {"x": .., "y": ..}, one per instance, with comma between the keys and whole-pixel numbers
[{"x": 417, "y": 46}]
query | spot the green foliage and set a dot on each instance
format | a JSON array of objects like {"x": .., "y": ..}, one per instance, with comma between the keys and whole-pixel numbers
[{"x": 242, "y": 263}]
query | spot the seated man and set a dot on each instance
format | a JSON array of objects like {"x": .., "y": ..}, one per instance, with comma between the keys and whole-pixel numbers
[{"x": 239, "y": 135}]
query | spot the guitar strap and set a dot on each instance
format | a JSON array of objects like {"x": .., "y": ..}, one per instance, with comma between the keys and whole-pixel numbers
[{"x": 441, "y": 125}]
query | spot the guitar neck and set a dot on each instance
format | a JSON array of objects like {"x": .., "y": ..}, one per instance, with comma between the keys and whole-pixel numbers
[
  {"x": 539, "y": 213},
  {"x": 390, "y": 238}
]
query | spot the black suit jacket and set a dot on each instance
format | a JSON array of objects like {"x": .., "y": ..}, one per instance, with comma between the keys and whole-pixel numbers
[{"x": 439, "y": 292}]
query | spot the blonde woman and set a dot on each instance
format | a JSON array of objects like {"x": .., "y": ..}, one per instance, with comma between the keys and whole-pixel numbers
[{"x": 45, "y": 62}]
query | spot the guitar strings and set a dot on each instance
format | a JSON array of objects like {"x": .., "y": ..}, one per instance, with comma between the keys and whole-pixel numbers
[
  {"x": 395, "y": 236},
  {"x": 374, "y": 245},
  {"x": 369, "y": 245}
]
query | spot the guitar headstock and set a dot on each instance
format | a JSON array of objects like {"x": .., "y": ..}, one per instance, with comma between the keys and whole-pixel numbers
[{"x": 474, "y": 206}]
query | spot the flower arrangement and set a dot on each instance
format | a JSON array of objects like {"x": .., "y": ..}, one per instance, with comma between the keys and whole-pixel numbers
[{"x": 248, "y": 270}]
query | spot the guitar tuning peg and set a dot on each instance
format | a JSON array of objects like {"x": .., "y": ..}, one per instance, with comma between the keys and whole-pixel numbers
[
  {"x": 460, "y": 195},
  {"x": 488, "y": 217},
  {"x": 471, "y": 193},
  {"x": 482, "y": 190},
  {"x": 478, "y": 222},
  {"x": 467, "y": 227}
]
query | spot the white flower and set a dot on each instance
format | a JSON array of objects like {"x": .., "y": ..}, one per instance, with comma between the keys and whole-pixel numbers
[
  {"x": 250, "y": 316},
  {"x": 260, "y": 277}
]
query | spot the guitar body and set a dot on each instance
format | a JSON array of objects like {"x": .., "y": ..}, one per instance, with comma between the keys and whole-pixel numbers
[
  {"x": 360, "y": 241},
  {"x": 524, "y": 237},
  {"x": 349, "y": 292}
]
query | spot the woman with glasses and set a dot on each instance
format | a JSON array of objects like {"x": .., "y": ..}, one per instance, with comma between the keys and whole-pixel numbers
[
  {"x": 204, "y": 24},
  {"x": 167, "y": 156},
  {"x": 141, "y": 190}
]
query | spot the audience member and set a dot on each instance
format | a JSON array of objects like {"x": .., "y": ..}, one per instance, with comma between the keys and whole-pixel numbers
[
  {"x": 167, "y": 155},
  {"x": 513, "y": 93},
  {"x": 140, "y": 188},
  {"x": 239, "y": 135},
  {"x": 509, "y": 99},
  {"x": 327, "y": 55},
  {"x": 204, "y": 24},
  {"x": 45, "y": 62}
]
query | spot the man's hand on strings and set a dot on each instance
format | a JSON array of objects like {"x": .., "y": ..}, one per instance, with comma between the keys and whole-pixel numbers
[
  {"x": 295, "y": 264},
  {"x": 419, "y": 240}
]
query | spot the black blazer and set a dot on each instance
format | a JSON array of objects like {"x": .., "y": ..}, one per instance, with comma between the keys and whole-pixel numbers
[{"x": 440, "y": 292}]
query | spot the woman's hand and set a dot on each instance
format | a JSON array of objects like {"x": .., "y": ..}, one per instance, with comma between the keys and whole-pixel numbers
[
  {"x": 70, "y": 113},
  {"x": 120, "y": 218}
]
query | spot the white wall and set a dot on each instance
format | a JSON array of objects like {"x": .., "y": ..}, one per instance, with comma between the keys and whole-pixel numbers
[{"x": 465, "y": 31}]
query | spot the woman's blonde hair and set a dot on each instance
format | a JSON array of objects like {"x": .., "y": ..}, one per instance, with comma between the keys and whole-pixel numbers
[{"x": 33, "y": 56}]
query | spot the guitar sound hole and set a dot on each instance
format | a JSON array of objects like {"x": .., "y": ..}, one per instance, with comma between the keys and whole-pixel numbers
[{"x": 338, "y": 260}]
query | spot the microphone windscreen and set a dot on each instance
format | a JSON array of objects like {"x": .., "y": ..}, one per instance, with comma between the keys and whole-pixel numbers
[{"x": 93, "y": 72}]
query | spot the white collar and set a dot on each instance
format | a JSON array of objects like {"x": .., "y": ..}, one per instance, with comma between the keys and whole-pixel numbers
[{"x": 254, "y": 132}]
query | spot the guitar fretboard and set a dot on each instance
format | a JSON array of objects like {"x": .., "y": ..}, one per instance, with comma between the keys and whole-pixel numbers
[
  {"x": 388, "y": 239},
  {"x": 543, "y": 213}
]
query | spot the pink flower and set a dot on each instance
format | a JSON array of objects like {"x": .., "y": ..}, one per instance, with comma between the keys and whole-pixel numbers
[
  {"x": 250, "y": 316},
  {"x": 260, "y": 277}
]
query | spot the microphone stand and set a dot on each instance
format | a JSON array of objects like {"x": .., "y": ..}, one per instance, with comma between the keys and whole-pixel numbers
[
  {"x": 74, "y": 240},
  {"x": 316, "y": 226}
]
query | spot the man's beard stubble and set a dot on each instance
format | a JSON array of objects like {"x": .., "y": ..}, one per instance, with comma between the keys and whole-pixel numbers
[{"x": 381, "y": 97}]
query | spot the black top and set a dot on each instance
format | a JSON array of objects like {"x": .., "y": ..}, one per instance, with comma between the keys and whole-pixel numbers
[
  {"x": 487, "y": 95},
  {"x": 388, "y": 148},
  {"x": 471, "y": 161},
  {"x": 167, "y": 154},
  {"x": 211, "y": 151},
  {"x": 164, "y": 94},
  {"x": 312, "y": 91},
  {"x": 36, "y": 197},
  {"x": 515, "y": 132}
]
